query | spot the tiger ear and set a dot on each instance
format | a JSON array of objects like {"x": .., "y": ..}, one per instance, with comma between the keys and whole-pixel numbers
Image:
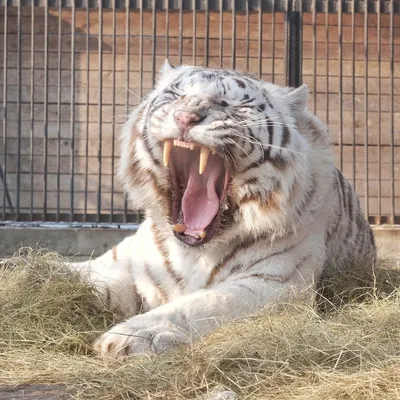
[
  {"x": 166, "y": 69},
  {"x": 297, "y": 99}
]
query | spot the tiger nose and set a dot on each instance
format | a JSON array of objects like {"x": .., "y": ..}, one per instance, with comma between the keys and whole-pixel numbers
[{"x": 186, "y": 119}]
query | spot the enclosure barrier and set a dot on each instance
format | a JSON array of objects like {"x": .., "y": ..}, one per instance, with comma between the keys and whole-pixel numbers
[{"x": 71, "y": 71}]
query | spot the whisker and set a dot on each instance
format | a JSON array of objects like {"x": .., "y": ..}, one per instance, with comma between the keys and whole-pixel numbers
[
  {"x": 266, "y": 123},
  {"x": 241, "y": 148},
  {"x": 133, "y": 93},
  {"x": 269, "y": 145}
]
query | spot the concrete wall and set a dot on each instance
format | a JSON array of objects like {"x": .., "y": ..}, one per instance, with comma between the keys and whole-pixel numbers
[{"x": 86, "y": 242}]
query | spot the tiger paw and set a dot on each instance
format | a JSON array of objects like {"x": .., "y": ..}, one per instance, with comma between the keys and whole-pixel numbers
[{"x": 130, "y": 338}]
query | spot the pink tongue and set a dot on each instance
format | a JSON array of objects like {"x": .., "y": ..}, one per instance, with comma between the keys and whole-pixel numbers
[{"x": 200, "y": 202}]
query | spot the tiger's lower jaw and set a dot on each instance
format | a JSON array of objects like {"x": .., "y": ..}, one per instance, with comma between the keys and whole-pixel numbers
[
  {"x": 198, "y": 237},
  {"x": 195, "y": 238}
]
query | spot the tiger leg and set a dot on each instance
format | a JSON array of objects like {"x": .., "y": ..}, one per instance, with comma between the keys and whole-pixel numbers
[{"x": 111, "y": 275}]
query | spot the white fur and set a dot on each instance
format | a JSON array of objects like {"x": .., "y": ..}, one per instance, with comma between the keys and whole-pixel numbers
[{"x": 288, "y": 250}]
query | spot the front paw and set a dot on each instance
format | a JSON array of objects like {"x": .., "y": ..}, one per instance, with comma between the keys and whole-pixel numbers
[{"x": 136, "y": 337}]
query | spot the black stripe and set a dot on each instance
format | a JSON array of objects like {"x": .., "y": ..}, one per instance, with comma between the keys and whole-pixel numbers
[
  {"x": 349, "y": 202},
  {"x": 240, "y": 83},
  {"x": 342, "y": 189},
  {"x": 269, "y": 278},
  {"x": 350, "y": 195},
  {"x": 265, "y": 95},
  {"x": 278, "y": 253},
  {"x": 285, "y": 137},
  {"x": 308, "y": 196},
  {"x": 331, "y": 234},
  {"x": 242, "y": 285},
  {"x": 360, "y": 231},
  {"x": 266, "y": 152},
  {"x": 371, "y": 237}
]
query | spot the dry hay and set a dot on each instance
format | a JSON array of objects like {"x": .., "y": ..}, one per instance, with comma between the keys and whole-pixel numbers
[{"x": 348, "y": 347}]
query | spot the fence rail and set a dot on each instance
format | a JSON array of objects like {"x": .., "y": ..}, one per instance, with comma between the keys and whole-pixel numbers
[
  {"x": 70, "y": 72},
  {"x": 216, "y": 5}
]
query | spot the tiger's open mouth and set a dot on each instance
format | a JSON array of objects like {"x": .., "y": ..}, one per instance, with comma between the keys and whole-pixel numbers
[{"x": 200, "y": 180}]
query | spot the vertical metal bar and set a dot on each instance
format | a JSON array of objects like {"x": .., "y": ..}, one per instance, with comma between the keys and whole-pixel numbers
[
  {"x": 353, "y": 87},
  {"x": 260, "y": 37},
  {"x": 340, "y": 60},
  {"x": 153, "y": 44},
  {"x": 294, "y": 55},
  {"x": 194, "y": 31},
  {"x": 247, "y": 36},
  {"x": 392, "y": 176},
  {"x": 167, "y": 28},
  {"x": 233, "y": 34},
  {"x": 180, "y": 32},
  {"x": 286, "y": 39},
  {"x": 5, "y": 86},
  {"x": 6, "y": 193},
  {"x": 59, "y": 109},
  {"x": 221, "y": 32},
  {"x": 114, "y": 42},
  {"x": 100, "y": 109},
  {"x": 207, "y": 33},
  {"x": 379, "y": 40},
  {"x": 327, "y": 62},
  {"x": 273, "y": 41},
  {"x": 72, "y": 116},
  {"x": 300, "y": 45},
  {"x": 314, "y": 53},
  {"x": 127, "y": 71},
  {"x": 140, "y": 59},
  {"x": 366, "y": 175},
  {"x": 141, "y": 49},
  {"x": 19, "y": 50},
  {"x": 87, "y": 108},
  {"x": 45, "y": 107},
  {"x": 32, "y": 99}
]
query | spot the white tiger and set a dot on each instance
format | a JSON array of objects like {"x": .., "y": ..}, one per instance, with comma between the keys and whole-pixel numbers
[{"x": 244, "y": 207}]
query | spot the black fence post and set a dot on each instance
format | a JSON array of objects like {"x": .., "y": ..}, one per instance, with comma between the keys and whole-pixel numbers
[{"x": 294, "y": 48}]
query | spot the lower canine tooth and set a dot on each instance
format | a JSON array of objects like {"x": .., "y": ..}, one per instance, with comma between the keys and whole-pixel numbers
[
  {"x": 204, "y": 153},
  {"x": 179, "y": 228},
  {"x": 168, "y": 145},
  {"x": 202, "y": 234}
]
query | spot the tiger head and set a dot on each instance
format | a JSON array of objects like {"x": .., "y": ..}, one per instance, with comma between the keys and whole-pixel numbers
[{"x": 214, "y": 153}]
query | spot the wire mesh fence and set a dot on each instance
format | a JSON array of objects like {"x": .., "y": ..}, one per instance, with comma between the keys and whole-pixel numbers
[{"x": 71, "y": 71}]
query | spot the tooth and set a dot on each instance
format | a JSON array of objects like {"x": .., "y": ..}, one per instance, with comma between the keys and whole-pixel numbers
[
  {"x": 204, "y": 153},
  {"x": 202, "y": 234},
  {"x": 191, "y": 146},
  {"x": 168, "y": 145},
  {"x": 179, "y": 228},
  {"x": 213, "y": 151}
]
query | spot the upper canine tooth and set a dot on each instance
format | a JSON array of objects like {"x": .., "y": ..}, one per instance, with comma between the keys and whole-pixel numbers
[
  {"x": 204, "y": 153},
  {"x": 168, "y": 145},
  {"x": 213, "y": 151},
  {"x": 191, "y": 146}
]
